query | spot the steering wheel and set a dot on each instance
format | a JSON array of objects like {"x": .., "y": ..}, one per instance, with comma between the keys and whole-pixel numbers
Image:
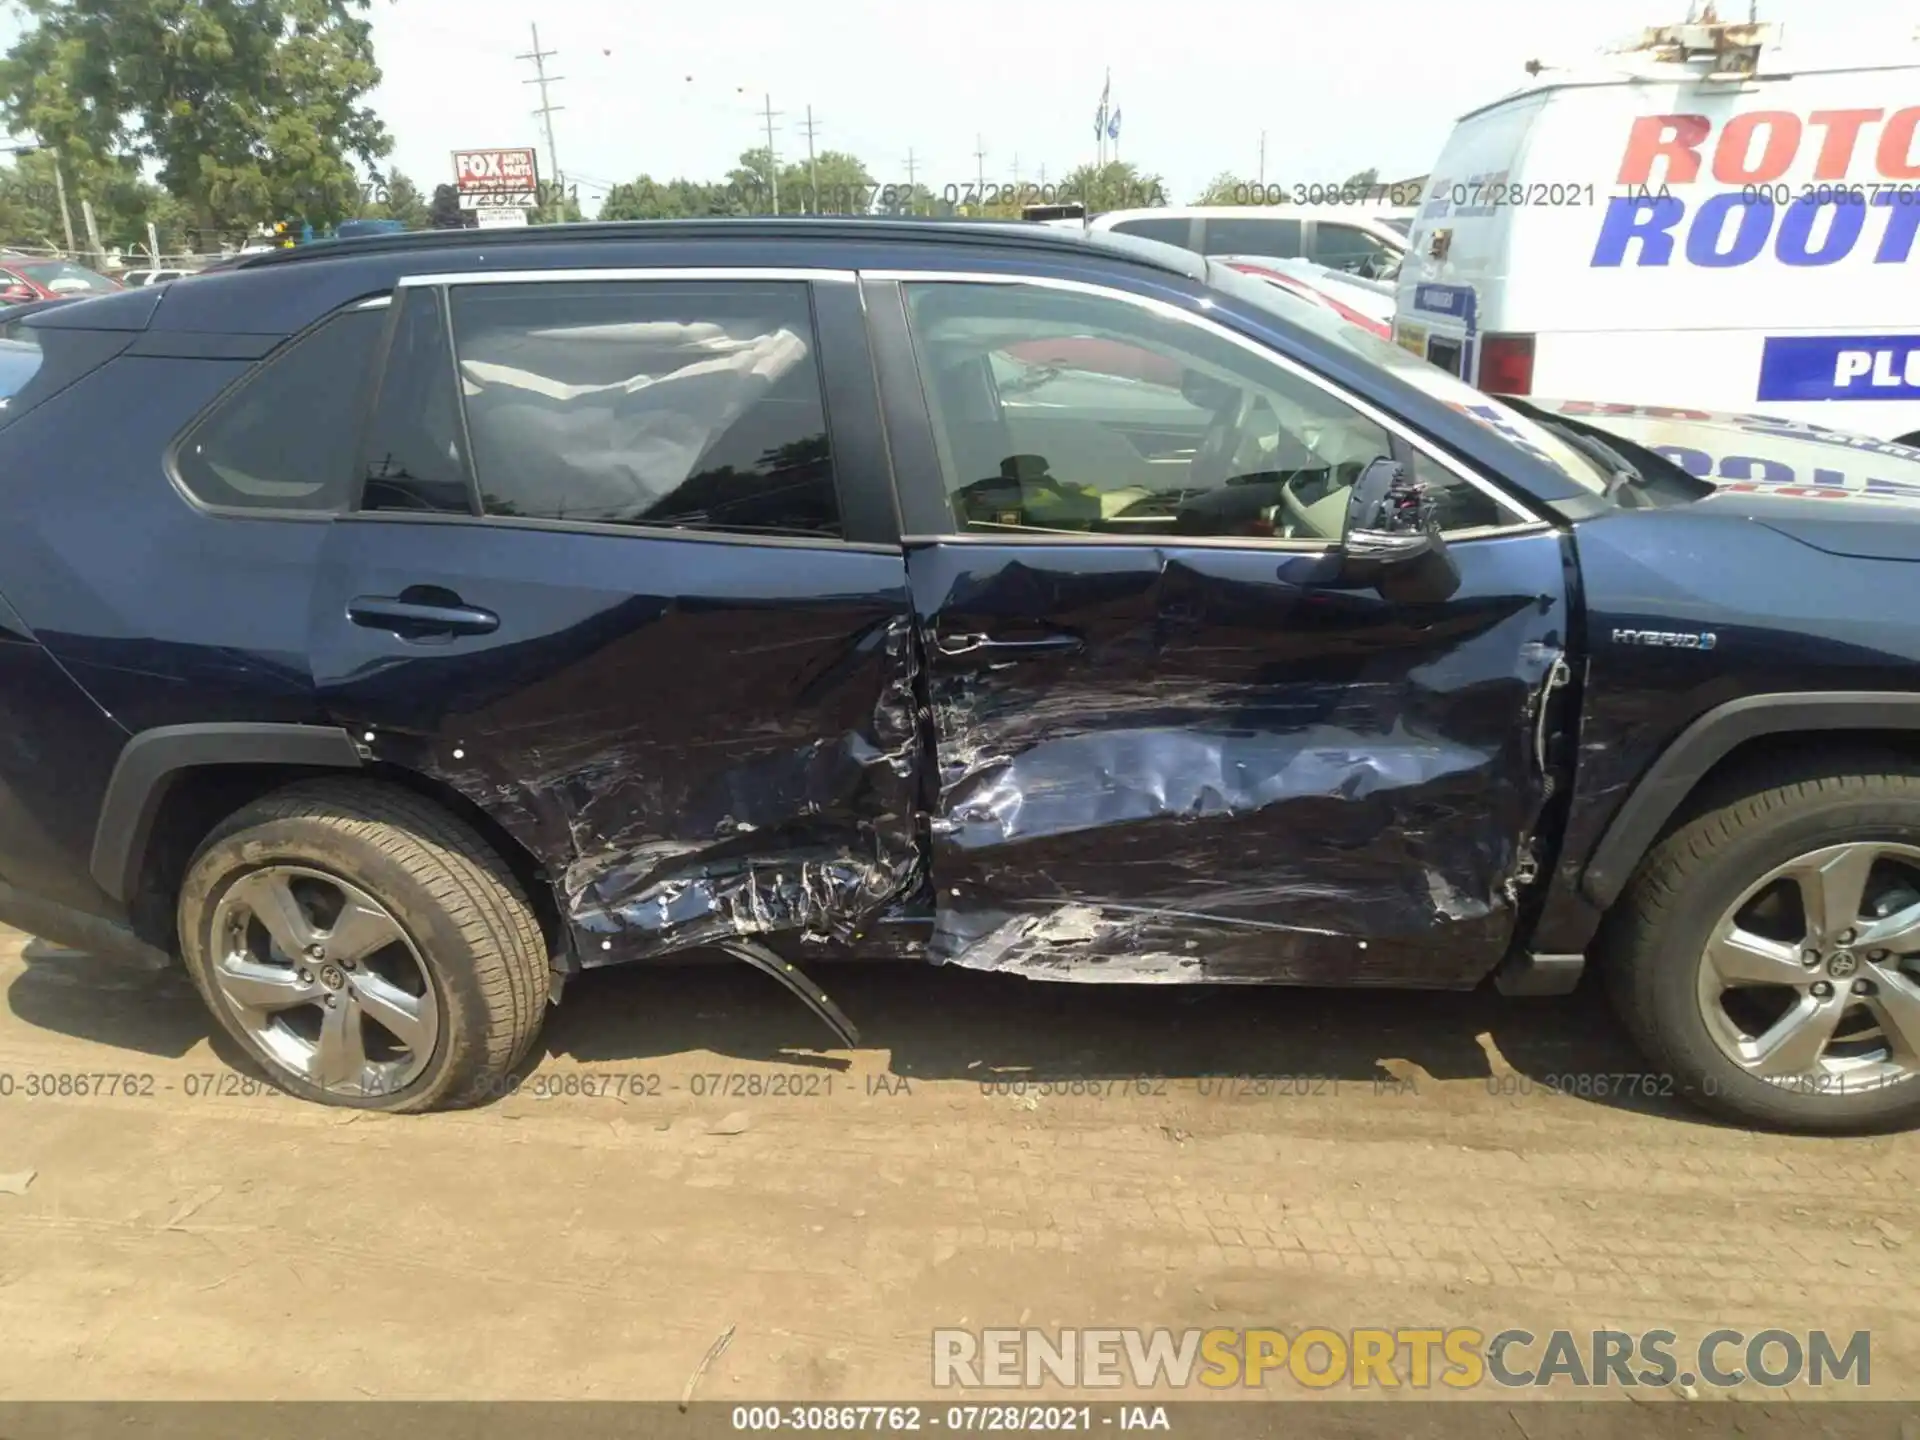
[
  {"x": 1213, "y": 461},
  {"x": 1300, "y": 520}
]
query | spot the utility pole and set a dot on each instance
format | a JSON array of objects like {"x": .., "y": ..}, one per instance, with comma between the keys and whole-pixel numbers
[
  {"x": 1260, "y": 178},
  {"x": 773, "y": 161},
  {"x": 980, "y": 164},
  {"x": 94, "y": 248},
  {"x": 60, "y": 189},
  {"x": 913, "y": 186},
  {"x": 539, "y": 58},
  {"x": 813, "y": 170}
]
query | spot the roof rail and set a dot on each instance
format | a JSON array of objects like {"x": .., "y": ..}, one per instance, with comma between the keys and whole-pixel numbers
[{"x": 1001, "y": 233}]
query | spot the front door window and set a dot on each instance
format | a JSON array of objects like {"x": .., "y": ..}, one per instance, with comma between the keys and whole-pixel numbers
[{"x": 1066, "y": 413}]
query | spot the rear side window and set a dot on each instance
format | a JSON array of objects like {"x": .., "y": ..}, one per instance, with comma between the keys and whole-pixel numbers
[
  {"x": 687, "y": 404},
  {"x": 1347, "y": 247},
  {"x": 1254, "y": 235},
  {"x": 415, "y": 456},
  {"x": 36, "y": 363},
  {"x": 285, "y": 438},
  {"x": 1168, "y": 229}
]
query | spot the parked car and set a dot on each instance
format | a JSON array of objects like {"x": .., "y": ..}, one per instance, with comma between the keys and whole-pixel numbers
[
  {"x": 1366, "y": 303},
  {"x": 1652, "y": 230},
  {"x": 732, "y": 586},
  {"x": 357, "y": 229},
  {"x": 24, "y": 278},
  {"x": 1352, "y": 240},
  {"x": 132, "y": 279}
]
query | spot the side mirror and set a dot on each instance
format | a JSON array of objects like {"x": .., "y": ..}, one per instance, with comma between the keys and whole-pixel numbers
[
  {"x": 17, "y": 294},
  {"x": 1392, "y": 542}
]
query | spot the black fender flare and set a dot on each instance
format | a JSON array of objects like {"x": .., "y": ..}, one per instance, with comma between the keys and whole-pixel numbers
[
  {"x": 151, "y": 761},
  {"x": 1707, "y": 741}
]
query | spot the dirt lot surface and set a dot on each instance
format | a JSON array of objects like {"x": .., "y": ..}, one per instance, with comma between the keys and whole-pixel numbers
[{"x": 185, "y": 1238}]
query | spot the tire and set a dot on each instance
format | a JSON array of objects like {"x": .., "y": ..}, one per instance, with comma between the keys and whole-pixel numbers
[
  {"x": 1654, "y": 953},
  {"x": 466, "y": 968}
]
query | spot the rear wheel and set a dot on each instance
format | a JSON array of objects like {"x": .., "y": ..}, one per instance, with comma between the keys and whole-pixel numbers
[
  {"x": 364, "y": 947},
  {"x": 1768, "y": 954}
]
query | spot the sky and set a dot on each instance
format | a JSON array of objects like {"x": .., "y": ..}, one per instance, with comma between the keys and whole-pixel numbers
[
  {"x": 678, "y": 89},
  {"x": 1335, "y": 87}
]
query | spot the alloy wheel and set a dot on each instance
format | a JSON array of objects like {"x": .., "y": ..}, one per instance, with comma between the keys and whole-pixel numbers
[
  {"x": 325, "y": 981},
  {"x": 1809, "y": 981}
]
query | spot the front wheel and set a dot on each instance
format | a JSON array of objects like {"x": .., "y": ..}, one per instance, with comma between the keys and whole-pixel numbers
[
  {"x": 1767, "y": 955},
  {"x": 364, "y": 947}
]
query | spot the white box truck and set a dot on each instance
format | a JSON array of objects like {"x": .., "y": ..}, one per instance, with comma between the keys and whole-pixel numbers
[{"x": 1707, "y": 219}]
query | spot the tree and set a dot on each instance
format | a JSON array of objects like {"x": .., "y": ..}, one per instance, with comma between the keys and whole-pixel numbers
[
  {"x": 836, "y": 183},
  {"x": 1226, "y": 188},
  {"x": 398, "y": 198},
  {"x": 1117, "y": 185},
  {"x": 749, "y": 184},
  {"x": 916, "y": 199},
  {"x": 29, "y": 204},
  {"x": 649, "y": 199},
  {"x": 1361, "y": 183},
  {"x": 444, "y": 213},
  {"x": 251, "y": 108},
  {"x": 841, "y": 182}
]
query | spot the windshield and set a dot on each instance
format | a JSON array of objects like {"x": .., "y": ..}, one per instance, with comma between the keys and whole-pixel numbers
[
  {"x": 1504, "y": 420},
  {"x": 63, "y": 277}
]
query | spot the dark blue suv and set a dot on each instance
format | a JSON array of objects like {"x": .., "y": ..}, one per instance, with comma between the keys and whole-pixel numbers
[{"x": 396, "y": 627}]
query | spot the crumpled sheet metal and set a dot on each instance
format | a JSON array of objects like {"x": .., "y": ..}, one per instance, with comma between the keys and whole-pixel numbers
[
  {"x": 812, "y": 831},
  {"x": 1230, "y": 814}
]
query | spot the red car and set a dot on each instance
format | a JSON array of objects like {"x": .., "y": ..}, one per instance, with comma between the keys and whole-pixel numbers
[
  {"x": 28, "y": 277},
  {"x": 1294, "y": 286},
  {"x": 1111, "y": 357}
]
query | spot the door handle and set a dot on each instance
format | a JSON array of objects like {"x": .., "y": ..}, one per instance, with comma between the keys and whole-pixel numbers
[
  {"x": 986, "y": 645},
  {"x": 411, "y": 620}
]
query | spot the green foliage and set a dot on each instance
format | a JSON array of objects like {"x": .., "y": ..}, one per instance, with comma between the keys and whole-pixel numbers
[
  {"x": 1117, "y": 185},
  {"x": 397, "y": 198},
  {"x": 649, "y": 199},
  {"x": 123, "y": 205},
  {"x": 250, "y": 109},
  {"x": 910, "y": 200},
  {"x": 443, "y": 211},
  {"x": 835, "y": 183},
  {"x": 1227, "y": 188}
]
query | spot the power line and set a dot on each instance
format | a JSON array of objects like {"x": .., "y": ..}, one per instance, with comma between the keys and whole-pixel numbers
[{"x": 547, "y": 108}]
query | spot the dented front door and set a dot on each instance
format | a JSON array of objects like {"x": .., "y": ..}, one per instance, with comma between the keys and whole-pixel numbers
[{"x": 1194, "y": 755}]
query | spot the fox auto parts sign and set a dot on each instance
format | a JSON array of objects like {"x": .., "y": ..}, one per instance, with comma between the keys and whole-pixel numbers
[{"x": 495, "y": 179}]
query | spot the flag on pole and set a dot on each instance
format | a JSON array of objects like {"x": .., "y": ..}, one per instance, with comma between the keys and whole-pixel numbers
[
  {"x": 1113, "y": 125},
  {"x": 1100, "y": 115}
]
